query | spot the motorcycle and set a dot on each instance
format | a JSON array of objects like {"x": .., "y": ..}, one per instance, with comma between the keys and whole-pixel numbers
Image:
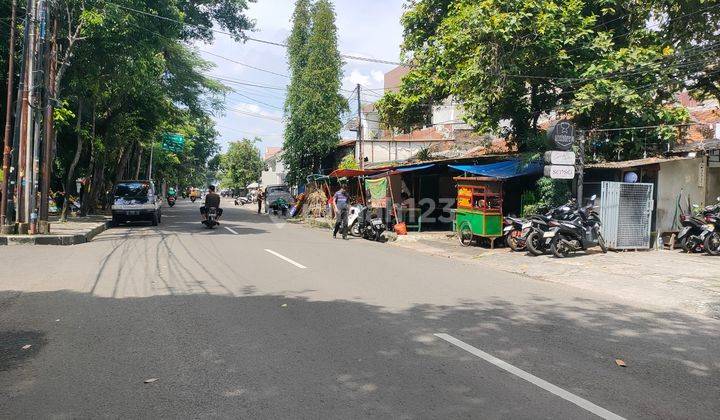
[
  {"x": 171, "y": 200},
  {"x": 280, "y": 205},
  {"x": 580, "y": 233},
  {"x": 354, "y": 223},
  {"x": 241, "y": 201},
  {"x": 536, "y": 226},
  {"x": 513, "y": 232},
  {"x": 711, "y": 230},
  {"x": 211, "y": 220},
  {"x": 193, "y": 198},
  {"x": 690, "y": 235},
  {"x": 371, "y": 228}
]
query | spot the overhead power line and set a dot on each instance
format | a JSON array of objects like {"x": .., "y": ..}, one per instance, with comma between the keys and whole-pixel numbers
[
  {"x": 244, "y": 83},
  {"x": 261, "y": 41},
  {"x": 244, "y": 64},
  {"x": 643, "y": 127}
]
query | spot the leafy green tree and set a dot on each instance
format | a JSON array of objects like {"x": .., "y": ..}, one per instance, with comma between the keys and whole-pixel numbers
[
  {"x": 137, "y": 79},
  {"x": 294, "y": 154},
  {"x": 348, "y": 162},
  {"x": 604, "y": 64},
  {"x": 314, "y": 107},
  {"x": 241, "y": 165}
]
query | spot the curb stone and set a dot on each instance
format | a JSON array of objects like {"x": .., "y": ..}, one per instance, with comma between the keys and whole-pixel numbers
[{"x": 58, "y": 240}]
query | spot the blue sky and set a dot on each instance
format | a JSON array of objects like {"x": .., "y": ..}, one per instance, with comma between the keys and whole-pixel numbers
[{"x": 369, "y": 28}]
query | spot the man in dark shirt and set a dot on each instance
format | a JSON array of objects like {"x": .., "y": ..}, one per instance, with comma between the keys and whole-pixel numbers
[
  {"x": 212, "y": 199},
  {"x": 260, "y": 198},
  {"x": 340, "y": 205}
]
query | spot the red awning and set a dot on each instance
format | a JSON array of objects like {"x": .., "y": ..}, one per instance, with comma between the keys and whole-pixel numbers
[{"x": 349, "y": 173}]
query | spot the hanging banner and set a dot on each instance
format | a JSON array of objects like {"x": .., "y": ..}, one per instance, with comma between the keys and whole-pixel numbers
[{"x": 378, "y": 192}]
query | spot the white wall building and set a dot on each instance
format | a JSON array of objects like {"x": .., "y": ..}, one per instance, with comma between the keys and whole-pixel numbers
[{"x": 276, "y": 172}]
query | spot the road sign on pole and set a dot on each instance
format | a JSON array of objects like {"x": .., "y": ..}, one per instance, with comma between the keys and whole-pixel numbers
[{"x": 173, "y": 142}]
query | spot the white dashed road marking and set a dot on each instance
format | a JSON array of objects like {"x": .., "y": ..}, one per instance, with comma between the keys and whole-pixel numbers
[
  {"x": 284, "y": 258},
  {"x": 547, "y": 386}
]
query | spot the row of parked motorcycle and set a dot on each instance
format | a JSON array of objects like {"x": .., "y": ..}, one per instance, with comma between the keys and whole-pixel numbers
[
  {"x": 701, "y": 230},
  {"x": 562, "y": 231}
]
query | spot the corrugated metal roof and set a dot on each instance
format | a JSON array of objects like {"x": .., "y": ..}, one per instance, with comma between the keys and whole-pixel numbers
[
  {"x": 633, "y": 163},
  {"x": 698, "y": 146}
]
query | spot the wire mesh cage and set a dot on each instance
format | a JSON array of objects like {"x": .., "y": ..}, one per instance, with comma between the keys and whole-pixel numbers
[{"x": 626, "y": 213}]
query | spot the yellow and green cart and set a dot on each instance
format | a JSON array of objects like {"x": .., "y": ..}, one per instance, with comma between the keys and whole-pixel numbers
[{"x": 479, "y": 209}]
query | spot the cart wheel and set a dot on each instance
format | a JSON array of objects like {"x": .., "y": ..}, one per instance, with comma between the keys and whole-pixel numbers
[{"x": 465, "y": 234}]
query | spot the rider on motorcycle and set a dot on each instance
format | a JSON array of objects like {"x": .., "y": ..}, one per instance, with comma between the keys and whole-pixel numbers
[
  {"x": 171, "y": 192},
  {"x": 212, "y": 199}
]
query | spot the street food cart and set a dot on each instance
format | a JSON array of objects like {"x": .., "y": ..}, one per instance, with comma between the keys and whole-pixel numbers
[{"x": 479, "y": 209}]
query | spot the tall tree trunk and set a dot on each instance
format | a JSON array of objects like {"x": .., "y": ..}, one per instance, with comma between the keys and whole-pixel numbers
[
  {"x": 139, "y": 162},
  {"x": 86, "y": 204},
  {"x": 98, "y": 184},
  {"x": 122, "y": 164},
  {"x": 71, "y": 171}
]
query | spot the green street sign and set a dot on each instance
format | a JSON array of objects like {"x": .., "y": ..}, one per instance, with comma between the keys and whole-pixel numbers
[{"x": 173, "y": 142}]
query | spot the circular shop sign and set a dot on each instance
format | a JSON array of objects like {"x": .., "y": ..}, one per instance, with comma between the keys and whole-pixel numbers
[{"x": 562, "y": 135}]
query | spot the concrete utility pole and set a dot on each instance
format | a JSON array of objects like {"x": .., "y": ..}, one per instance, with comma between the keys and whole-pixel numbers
[
  {"x": 25, "y": 132},
  {"x": 49, "y": 137},
  {"x": 8, "y": 116},
  {"x": 28, "y": 198},
  {"x": 359, "y": 129},
  {"x": 39, "y": 80}
]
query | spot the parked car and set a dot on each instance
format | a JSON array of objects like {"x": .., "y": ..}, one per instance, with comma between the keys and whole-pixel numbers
[
  {"x": 135, "y": 200},
  {"x": 277, "y": 194}
]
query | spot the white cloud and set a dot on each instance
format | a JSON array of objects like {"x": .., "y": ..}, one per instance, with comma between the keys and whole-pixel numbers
[
  {"x": 356, "y": 77},
  {"x": 378, "y": 76}
]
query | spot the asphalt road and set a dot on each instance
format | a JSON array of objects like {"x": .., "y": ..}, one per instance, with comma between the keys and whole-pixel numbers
[{"x": 261, "y": 319}]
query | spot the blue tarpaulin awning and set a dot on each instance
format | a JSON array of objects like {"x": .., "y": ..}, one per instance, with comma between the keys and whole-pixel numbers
[
  {"x": 413, "y": 167},
  {"x": 402, "y": 169},
  {"x": 503, "y": 170}
]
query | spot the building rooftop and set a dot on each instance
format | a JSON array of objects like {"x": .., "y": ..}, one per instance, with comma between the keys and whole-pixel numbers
[{"x": 634, "y": 163}]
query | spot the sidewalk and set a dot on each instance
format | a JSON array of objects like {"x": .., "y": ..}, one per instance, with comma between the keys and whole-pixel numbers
[
  {"x": 74, "y": 231},
  {"x": 670, "y": 279}
]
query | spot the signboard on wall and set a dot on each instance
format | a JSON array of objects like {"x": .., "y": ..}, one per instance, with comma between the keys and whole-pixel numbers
[
  {"x": 555, "y": 157},
  {"x": 560, "y": 171}
]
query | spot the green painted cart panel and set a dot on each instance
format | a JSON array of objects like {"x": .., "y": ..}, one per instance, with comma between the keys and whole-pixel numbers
[{"x": 488, "y": 225}]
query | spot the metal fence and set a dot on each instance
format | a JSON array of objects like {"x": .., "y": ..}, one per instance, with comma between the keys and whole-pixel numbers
[{"x": 626, "y": 213}]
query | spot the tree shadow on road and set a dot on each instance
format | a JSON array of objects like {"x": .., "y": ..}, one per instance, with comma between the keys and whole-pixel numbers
[{"x": 276, "y": 356}]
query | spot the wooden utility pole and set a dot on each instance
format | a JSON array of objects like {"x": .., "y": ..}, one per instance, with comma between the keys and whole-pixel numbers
[
  {"x": 359, "y": 130},
  {"x": 580, "y": 169},
  {"x": 4, "y": 190}
]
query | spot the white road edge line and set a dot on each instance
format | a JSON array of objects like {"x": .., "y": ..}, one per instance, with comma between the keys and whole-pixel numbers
[
  {"x": 231, "y": 231},
  {"x": 282, "y": 257},
  {"x": 547, "y": 386}
]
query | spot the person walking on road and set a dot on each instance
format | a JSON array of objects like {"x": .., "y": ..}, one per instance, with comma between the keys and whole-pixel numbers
[
  {"x": 340, "y": 205},
  {"x": 260, "y": 198}
]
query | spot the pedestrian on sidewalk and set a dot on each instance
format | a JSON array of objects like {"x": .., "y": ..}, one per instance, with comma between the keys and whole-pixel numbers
[{"x": 340, "y": 205}]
